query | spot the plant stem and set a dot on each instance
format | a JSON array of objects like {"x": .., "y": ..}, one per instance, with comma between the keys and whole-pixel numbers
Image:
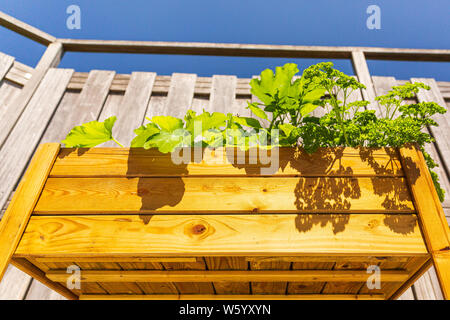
[{"x": 112, "y": 138}]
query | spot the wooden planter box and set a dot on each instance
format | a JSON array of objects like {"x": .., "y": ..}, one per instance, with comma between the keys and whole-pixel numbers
[{"x": 139, "y": 226}]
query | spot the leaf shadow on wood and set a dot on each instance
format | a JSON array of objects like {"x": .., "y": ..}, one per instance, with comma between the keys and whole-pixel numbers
[
  {"x": 323, "y": 193},
  {"x": 396, "y": 194},
  {"x": 156, "y": 193}
]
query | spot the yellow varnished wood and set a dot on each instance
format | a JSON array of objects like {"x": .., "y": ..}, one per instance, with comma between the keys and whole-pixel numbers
[
  {"x": 228, "y": 275},
  {"x": 16, "y": 216},
  {"x": 430, "y": 212},
  {"x": 119, "y": 162},
  {"x": 225, "y": 194},
  {"x": 216, "y": 235},
  {"x": 235, "y": 297}
]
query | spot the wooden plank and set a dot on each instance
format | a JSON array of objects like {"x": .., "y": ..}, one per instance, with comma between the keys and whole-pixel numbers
[
  {"x": 29, "y": 129},
  {"x": 417, "y": 269},
  {"x": 27, "y": 267},
  {"x": 382, "y": 85},
  {"x": 432, "y": 218},
  {"x": 234, "y": 297},
  {"x": 78, "y": 108},
  {"x": 273, "y": 286},
  {"x": 181, "y": 93},
  {"x": 6, "y": 62},
  {"x": 132, "y": 110},
  {"x": 252, "y": 50},
  {"x": 8, "y": 92},
  {"x": 19, "y": 73},
  {"x": 228, "y": 263},
  {"x": 427, "y": 286},
  {"x": 188, "y": 287},
  {"x": 50, "y": 59},
  {"x": 237, "y": 195},
  {"x": 38, "y": 291},
  {"x": 223, "y": 94},
  {"x": 442, "y": 133},
  {"x": 216, "y": 235},
  {"x": 14, "y": 284},
  {"x": 328, "y": 259},
  {"x": 229, "y": 275},
  {"x": 343, "y": 162},
  {"x": 362, "y": 71},
  {"x": 121, "y": 259},
  {"x": 16, "y": 217},
  {"x": 408, "y": 295},
  {"x": 25, "y": 30}
]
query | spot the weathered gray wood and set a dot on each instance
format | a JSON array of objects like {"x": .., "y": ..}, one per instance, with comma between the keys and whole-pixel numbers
[
  {"x": 441, "y": 133},
  {"x": 382, "y": 86},
  {"x": 252, "y": 50},
  {"x": 363, "y": 74},
  {"x": 50, "y": 59},
  {"x": 25, "y": 136},
  {"x": 86, "y": 107},
  {"x": 427, "y": 286},
  {"x": 8, "y": 92},
  {"x": 223, "y": 94},
  {"x": 38, "y": 291},
  {"x": 156, "y": 106},
  {"x": 130, "y": 113},
  {"x": 14, "y": 284},
  {"x": 6, "y": 62},
  {"x": 407, "y": 295},
  {"x": 25, "y": 29},
  {"x": 180, "y": 95}
]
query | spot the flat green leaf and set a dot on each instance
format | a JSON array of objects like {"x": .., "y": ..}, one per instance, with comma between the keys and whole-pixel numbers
[
  {"x": 90, "y": 134},
  {"x": 143, "y": 133},
  {"x": 168, "y": 123},
  {"x": 166, "y": 141},
  {"x": 208, "y": 121},
  {"x": 269, "y": 83},
  {"x": 257, "y": 111},
  {"x": 248, "y": 122}
]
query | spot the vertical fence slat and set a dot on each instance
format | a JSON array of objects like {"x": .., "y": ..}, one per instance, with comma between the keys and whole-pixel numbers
[
  {"x": 50, "y": 59},
  {"x": 131, "y": 111},
  {"x": 363, "y": 74}
]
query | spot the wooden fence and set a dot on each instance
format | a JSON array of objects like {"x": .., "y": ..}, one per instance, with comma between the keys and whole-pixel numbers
[{"x": 43, "y": 103}]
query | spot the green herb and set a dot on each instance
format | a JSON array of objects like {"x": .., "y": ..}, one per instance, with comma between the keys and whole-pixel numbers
[{"x": 286, "y": 104}]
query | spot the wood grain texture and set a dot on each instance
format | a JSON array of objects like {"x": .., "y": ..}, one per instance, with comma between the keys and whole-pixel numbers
[
  {"x": 78, "y": 108},
  {"x": 25, "y": 136},
  {"x": 228, "y": 275},
  {"x": 180, "y": 95},
  {"x": 39, "y": 291},
  {"x": 430, "y": 212},
  {"x": 28, "y": 93},
  {"x": 25, "y": 29},
  {"x": 236, "y": 194},
  {"x": 362, "y": 71},
  {"x": 117, "y": 162},
  {"x": 19, "y": 211},
  {"x": 223, "y": 94},
  {"x": 6, "y": 62},
  {"x": 234, "y": 297},
  {"x": 27, "y": 267},
  {"x": 130, "y": 113},
  {"x": 253, "y": 50},
  {"x": 441, "y": 133},
  {"x": 14, "y": 284},
  {"x": 210, "y": 235}
]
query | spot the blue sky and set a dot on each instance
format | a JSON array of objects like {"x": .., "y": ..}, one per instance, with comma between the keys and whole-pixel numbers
[{"x": 404, "y": 24}]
